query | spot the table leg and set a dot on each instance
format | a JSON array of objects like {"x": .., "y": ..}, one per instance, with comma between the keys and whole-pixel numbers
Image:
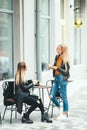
[{"x": 43, "y": 95}]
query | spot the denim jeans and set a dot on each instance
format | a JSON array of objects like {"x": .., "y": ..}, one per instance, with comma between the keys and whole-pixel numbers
[{"x": 60, "y": 85}]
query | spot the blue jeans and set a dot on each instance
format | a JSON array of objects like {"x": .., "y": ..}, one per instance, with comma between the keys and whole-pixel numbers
[{"x": 60, "y": 85}]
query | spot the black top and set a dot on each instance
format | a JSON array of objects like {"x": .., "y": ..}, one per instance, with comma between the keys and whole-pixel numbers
[{"x": 21, "y": 91}]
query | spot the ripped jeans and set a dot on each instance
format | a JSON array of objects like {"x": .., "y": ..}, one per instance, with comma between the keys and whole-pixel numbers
[{"x": 59, "y": 85}]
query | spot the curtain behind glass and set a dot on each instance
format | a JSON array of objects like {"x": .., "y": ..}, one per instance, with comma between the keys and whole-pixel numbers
[
  {"x": 45, "y": 7},
  {"x": 6, "y": 4}
]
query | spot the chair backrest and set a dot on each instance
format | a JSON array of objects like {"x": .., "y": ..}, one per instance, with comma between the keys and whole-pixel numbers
[
  {"x": 8, "y": 91},
  {"x": 49, "y": 82}
]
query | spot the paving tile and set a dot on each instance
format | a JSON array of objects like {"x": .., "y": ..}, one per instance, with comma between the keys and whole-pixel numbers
[{"x": 77, "y": 115}]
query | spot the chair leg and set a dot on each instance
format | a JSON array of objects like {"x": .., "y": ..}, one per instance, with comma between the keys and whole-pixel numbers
[
  {"x": 49, "y": 106},
  {"x": 11, "y": 114},
  {"x": 0, "y": 118},
  {"x": 52, "y": 110},
  {"x": 15, "y": 113},
  {"x": 26, "y": 107},
  {"x": 4, "y": 113},
  {"x": 52, "y": 105},
  {"x": 12, "y": 109}
]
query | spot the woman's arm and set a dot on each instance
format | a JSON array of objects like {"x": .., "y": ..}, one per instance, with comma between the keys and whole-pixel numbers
[
  {"x": 26, "y": 86},
  {"x": 64, "y": 69}
]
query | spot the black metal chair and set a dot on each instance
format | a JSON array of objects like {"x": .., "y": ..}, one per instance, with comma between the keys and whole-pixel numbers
[
  {"x": 51, "y": 104},
  {"x": 8, "y": 98}
]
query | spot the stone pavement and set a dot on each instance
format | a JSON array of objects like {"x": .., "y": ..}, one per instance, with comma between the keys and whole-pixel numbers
[{"x": 77, "y": 93}]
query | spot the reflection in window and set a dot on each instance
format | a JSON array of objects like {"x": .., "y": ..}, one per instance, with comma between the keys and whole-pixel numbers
[{"x": 6, "y": 64}]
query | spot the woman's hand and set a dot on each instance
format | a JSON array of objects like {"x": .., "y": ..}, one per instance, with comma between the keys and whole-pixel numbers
[{"x": 52, "y": 67}]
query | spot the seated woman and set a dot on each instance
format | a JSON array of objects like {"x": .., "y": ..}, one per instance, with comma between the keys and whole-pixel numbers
[{"x": 23, "y": 95}]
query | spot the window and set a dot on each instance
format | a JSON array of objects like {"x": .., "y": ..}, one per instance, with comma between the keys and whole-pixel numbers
[
  {"x": 45, "y": 33},
  {"x": 77, "y": 47},
  {"x": 6, "y": 4},
  {"x": 6, "y": 53}
]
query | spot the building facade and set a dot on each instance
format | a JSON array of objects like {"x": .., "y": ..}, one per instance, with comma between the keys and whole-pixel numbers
[{"x": 30, "y": 31}]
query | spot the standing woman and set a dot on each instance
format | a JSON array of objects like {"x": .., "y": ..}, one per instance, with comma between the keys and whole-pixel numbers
[
  {"x": 61, "y": 74},
  {"x": 23, "y": 95}
]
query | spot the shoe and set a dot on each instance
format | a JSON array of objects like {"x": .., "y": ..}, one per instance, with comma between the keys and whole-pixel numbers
[
  {"x": 46, "y": 118},
  {"x": 59, "y": 111},
  {"x": 26, "y": 119},
  {"x": 63, "y": 117}
]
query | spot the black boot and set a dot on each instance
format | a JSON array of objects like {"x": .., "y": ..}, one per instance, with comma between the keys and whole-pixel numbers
[
  {"x": 26, "y": 119},
  {"x": 45, "y": 117}
]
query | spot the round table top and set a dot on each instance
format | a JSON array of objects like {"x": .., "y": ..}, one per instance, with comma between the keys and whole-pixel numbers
[{"x": 42, "y": 86}]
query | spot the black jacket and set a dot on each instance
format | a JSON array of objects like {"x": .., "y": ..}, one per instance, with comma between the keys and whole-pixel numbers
[
  {"x": 64, "y": 69},
  {"x": 22, "y": 90}
]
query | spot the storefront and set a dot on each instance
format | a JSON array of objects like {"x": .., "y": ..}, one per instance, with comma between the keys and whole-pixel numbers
[{"x": 30, "y": 31}]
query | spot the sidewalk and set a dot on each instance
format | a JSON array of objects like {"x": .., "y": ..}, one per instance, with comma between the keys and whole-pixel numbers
[{"x": 77, "y": 94}]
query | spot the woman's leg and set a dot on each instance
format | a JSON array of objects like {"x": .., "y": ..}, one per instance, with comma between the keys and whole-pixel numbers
[
  {"x": 63, "y": 92},
  {"x": 35, "y": 102},
  {"x": 32, "y": 102},
  {"x": 54, "y": 92},
  {"x": 41, "y": 107}
]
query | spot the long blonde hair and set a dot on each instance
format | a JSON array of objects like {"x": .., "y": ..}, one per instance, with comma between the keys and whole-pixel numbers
[
  {"x": 65, "y": 53},
  {"x": 20, "y": 75}
]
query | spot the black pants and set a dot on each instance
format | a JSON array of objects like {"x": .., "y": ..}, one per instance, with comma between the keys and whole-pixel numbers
[{"x": 35, "y": 102}]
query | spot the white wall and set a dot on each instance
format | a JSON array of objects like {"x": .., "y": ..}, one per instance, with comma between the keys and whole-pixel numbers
[
  {"x": 58, "y": 39},
  {"x": 55, "y": 27},
  {"x": 55, "y": 35},
  {"x": 17, "y": 33},
  {"x": 76, "y": 71},
  {"x": 29, "y": 35},
  {"x": 85, "y": 40}
]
